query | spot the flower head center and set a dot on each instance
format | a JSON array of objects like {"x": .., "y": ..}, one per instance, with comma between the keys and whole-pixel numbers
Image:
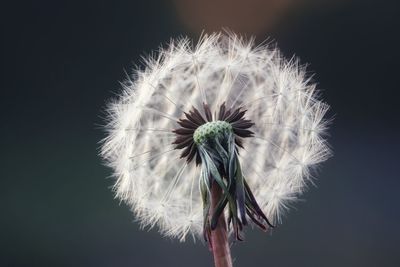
[{"x": 211, "y": 130}]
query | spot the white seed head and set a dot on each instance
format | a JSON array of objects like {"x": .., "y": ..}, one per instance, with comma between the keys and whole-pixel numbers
[{"x": 163, "y": 189}]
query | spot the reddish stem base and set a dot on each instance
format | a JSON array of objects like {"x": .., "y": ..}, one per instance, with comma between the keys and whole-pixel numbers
[{"x": 219, "y": 238}]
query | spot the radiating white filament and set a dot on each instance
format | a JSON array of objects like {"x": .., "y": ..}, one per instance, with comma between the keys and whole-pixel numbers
[{"x": 279, "y": 98}]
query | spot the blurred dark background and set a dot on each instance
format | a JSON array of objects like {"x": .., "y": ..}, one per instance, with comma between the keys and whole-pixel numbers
[{"x": 61, "y": 61}]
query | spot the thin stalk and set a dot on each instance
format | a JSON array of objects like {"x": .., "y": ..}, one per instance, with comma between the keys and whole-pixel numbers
[{"x": 219, "y": 238}]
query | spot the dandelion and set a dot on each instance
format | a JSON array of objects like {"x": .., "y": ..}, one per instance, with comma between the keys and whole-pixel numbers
[{"x": 212, "y": 137}]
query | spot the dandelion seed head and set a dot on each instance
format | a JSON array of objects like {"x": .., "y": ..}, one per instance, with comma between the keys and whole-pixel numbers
[{"x": 281, "y": 130}]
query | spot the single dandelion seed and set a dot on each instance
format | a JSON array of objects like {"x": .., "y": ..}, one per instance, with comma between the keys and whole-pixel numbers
[{"x": 210, "y": 138}]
